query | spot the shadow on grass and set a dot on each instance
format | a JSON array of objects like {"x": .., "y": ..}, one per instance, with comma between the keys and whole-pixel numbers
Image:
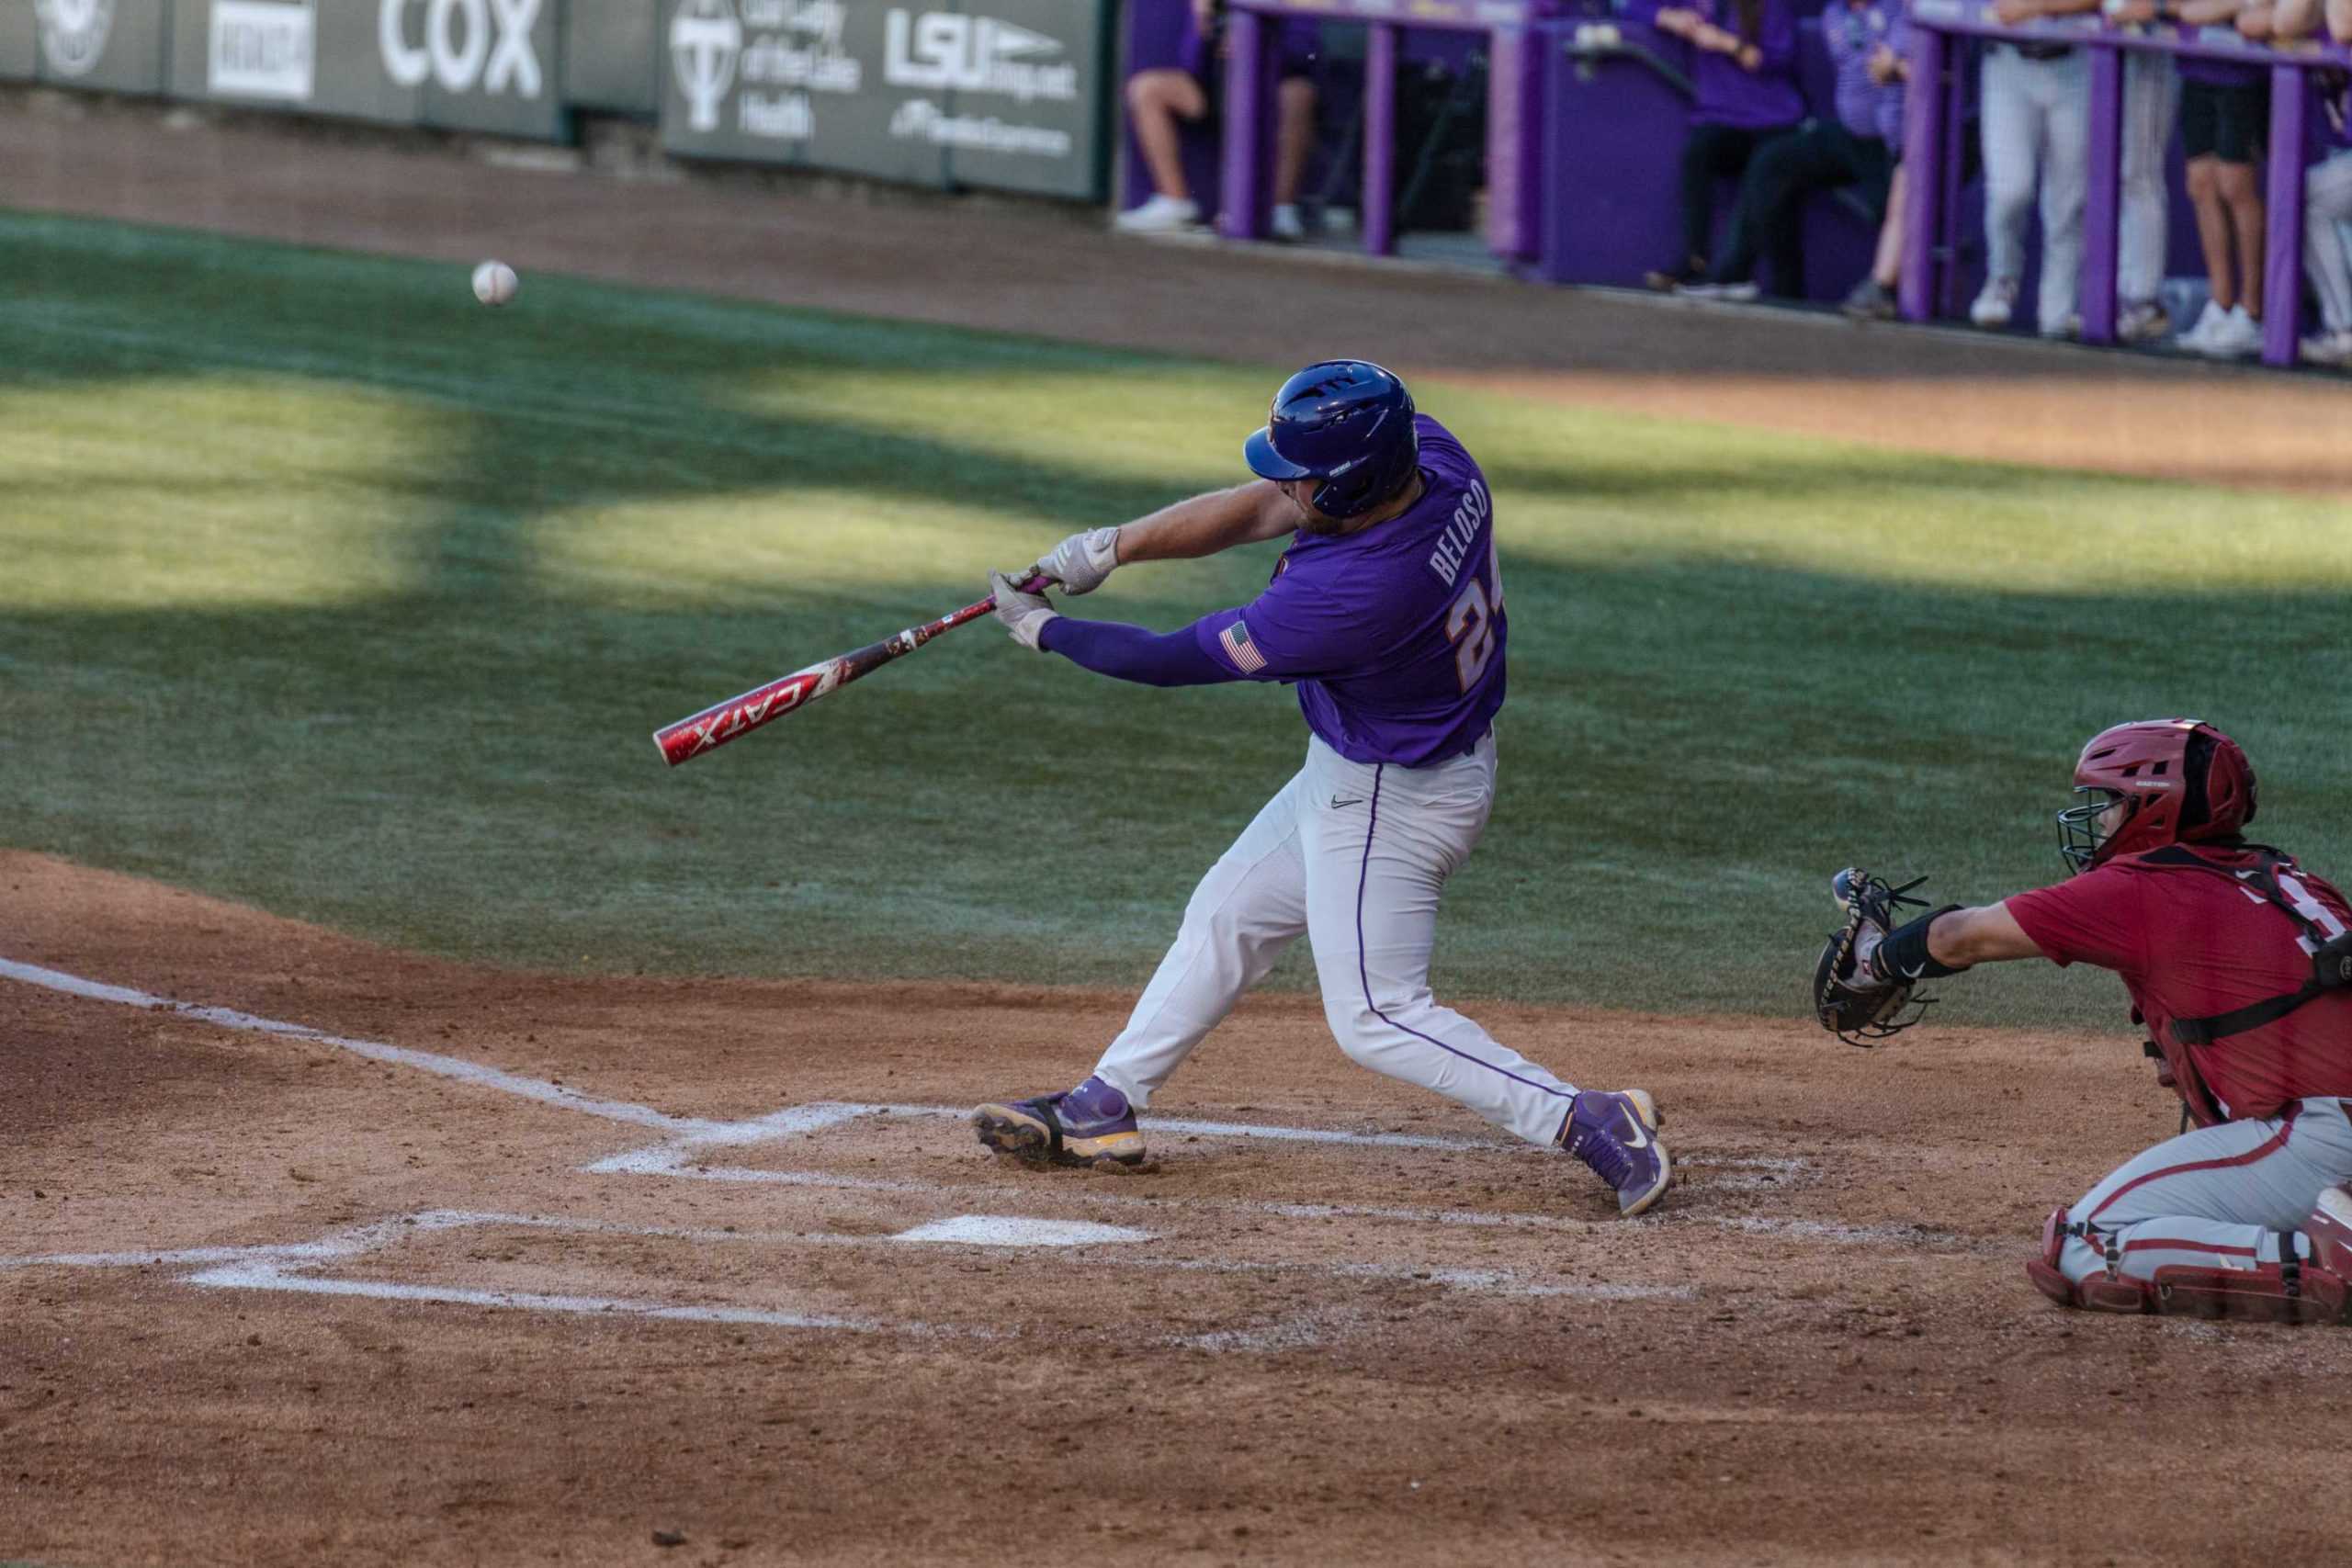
[{"x": 461, "y": 765}]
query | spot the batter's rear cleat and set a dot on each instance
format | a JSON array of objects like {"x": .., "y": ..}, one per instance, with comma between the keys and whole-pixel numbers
[
  {"x": 1616, "y": 1134},
  {"x": 1089, "y": 1125}
]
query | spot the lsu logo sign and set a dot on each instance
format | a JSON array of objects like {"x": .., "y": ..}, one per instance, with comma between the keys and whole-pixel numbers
[
  {"x": 939, "y": 50},
  {"x": 462, "y": 44}
]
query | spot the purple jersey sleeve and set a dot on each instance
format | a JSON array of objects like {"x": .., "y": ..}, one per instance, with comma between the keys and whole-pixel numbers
[
  {"x": 1132, "y": 653},
  {"x": 1292, "y": 631}
]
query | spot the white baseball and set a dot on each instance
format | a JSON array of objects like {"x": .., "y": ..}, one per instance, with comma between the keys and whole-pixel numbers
[{"x": 494, "y": 283}]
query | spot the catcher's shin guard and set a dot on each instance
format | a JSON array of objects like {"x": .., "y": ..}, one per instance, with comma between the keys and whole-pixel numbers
[
  {"x": 2307, "y": 1283},
  {"x": 2110, "y": 1292}
]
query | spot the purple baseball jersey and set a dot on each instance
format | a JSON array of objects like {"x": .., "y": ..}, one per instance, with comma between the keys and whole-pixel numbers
[{"x": 1394, "y": 635}]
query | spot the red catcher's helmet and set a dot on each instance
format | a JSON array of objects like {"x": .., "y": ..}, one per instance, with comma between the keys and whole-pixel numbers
[{"x": 2181, "y": 781}]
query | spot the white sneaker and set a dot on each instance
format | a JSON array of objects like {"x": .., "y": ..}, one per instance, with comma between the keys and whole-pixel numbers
[
  {"x": 2239, "y": 336},
  {"x": 1285, "y": 224},
  {"x": 2143, "y": 321},
  {"x": 1160, "y": 215},
  {"x": 2201, "y": 330},
  {"x": 2329, "y": 348},
  {"x": 2065, "y": 331},
  {"x": 1996, "y": 304},
  {"x": 1744, "y": 292}
]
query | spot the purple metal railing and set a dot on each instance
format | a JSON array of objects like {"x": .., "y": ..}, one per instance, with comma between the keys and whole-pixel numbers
[
  {"x": 1514, "y": 185},
  {"x": 1931, "y": 131}
]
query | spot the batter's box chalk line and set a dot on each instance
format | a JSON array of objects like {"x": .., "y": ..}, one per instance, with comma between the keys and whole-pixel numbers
[
  {"x": 687, "y": 1142},
  {"x": 296, "y": 1269}
]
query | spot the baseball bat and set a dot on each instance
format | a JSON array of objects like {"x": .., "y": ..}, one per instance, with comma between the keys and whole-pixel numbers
[{"x": 716, "y": 724}]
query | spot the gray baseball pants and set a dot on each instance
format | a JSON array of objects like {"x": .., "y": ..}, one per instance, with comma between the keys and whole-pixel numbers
[{"x": 2215, "y": 1197}]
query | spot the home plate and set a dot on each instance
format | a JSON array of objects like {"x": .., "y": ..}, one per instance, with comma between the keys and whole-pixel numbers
[{"x": 1014, "y": 1230}]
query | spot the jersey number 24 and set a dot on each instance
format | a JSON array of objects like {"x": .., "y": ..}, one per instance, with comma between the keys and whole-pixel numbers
[{"x": 1470, "y": 625}]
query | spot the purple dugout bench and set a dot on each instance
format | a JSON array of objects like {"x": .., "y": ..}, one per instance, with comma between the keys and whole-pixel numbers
[
  {"x": 1514, "y": 185},
  {"x": 1931, "y": 140}
]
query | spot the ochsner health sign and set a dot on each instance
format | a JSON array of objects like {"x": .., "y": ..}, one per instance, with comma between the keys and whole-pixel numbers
[{"x": 999, "y": 92}]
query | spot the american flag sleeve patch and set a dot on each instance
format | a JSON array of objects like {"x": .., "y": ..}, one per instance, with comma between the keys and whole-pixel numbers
[{"x": 1240, "y": 649}]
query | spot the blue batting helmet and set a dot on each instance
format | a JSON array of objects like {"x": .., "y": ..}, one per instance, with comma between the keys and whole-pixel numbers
[{"x": 1346, "y": 423}]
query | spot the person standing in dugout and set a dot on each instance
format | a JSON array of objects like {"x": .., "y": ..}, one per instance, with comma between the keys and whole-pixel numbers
[
  {"x": 1386, "y": 613},
  {"x": 2236, "y": 960}
]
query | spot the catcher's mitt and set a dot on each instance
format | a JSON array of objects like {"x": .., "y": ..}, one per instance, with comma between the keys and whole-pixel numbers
[{"x": 1851, "y": 997}]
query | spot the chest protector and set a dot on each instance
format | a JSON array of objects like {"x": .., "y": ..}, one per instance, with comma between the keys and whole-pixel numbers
[{"x": 2331, "y": 960}]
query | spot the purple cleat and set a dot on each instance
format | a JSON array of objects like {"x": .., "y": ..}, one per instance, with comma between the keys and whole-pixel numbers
[
  {"x": 1089, "y": 1125},
  {"x": 1616, "y": 1134}
]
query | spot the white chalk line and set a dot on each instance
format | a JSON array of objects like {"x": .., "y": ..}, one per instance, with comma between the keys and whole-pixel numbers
[
  {"x": 673, "y": 1161},
  {"x": 273, "y": 1267},
  {"x": 285, "y": 1267},
  {"x": 373, "y": 1050},
  {"x": 690, "y": 1130}
]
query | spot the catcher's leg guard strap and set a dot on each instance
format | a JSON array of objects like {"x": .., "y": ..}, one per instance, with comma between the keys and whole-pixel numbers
[{"x": 2110, "y": 1292}]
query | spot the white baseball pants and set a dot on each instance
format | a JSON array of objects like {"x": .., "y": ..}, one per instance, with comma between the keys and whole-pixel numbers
[
  {"x": 2214, "y": 1197},
  {"x": 2327, "y": 204},
  {"x": 2151, "y": 107},
  {"x": 2035, "y": 121},
  {"x": 1354, "y": 856}
]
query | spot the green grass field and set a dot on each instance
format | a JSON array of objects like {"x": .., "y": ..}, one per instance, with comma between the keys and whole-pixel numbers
[{"x": 325, "y": 589}]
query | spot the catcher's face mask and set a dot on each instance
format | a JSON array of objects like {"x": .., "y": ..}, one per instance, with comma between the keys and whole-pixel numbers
[{"x": 2085, "y": 829}]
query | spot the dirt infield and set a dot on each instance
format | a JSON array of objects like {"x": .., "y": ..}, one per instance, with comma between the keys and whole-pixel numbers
[
  {"x": 597, "y": 1258},
  {"x": 1058, "y": 274}
]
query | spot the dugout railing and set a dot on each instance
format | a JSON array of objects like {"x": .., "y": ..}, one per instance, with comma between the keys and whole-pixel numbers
[
  {"x": 1932, "y": 127},
  {"x": 1515, "y": 187}
]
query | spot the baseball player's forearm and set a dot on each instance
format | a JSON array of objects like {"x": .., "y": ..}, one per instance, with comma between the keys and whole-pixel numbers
[
  {"x": 1986, "y": 935},
  {"x": 2205, "y": 13},
  {"x": 1133, "y": 653},
  {"x": 1204, "y": 524}
]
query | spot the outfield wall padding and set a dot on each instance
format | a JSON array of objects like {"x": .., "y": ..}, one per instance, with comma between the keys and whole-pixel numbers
[
  {"x": 613, "y": 57},
  {"x": 1004, "y": 95},
  {"x": 19, "y": 41}
]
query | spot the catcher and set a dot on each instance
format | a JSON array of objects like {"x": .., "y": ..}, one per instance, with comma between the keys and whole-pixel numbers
[{"x": 2237, "y": 961}]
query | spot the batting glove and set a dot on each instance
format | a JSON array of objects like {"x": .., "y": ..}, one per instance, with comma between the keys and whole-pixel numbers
[
  {"x": 1080, "y": 563},
  {"x": 1023, "y": 614}
]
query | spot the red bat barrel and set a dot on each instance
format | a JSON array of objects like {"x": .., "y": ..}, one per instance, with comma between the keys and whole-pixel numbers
[{"x": 716, "y": 724}]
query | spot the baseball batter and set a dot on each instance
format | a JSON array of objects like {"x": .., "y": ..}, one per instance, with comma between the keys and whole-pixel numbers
[
  {"x": 2235, "y": 959},
  {"x": 1386, "y": 613}
]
